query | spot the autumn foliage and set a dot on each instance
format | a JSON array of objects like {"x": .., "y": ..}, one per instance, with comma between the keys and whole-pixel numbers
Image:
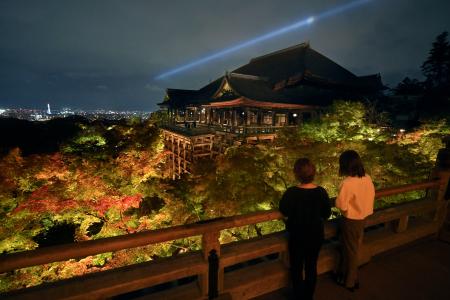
[{"x": 108, "y": 179}]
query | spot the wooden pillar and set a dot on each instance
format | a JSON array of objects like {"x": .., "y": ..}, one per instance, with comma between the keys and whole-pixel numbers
[
  {"x": 246, "y": 117},
  {"x": 179, "y": 157},
  {"x": 211, "y": 146},
  {"x": 300, "y": 118},
  {"x": 173, "y": 156},
  {"x": 402, "y": 224},
  {"x": 210, "y": 241},
  {"x": 184, "y": 156}
]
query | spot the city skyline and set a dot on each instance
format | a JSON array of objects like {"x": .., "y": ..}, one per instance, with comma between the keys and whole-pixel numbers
[
  {"x": 106, "y": 54},
  {"x": 43, "y": 107},
  {"x": 95, "y": 114}
]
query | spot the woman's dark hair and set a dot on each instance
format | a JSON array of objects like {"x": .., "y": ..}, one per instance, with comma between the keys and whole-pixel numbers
[
  {"x": 350, "y": 164},
  {"x": 304, "y": 170}
]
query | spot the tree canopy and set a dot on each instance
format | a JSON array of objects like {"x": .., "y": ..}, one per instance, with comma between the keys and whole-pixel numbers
[{"x": 436, "y": 69}]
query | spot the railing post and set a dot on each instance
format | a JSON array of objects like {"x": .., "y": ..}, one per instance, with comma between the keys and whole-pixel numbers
[
  {"x": 211, "y": 247},
  {"x": 402, "y": 224},
  {"x": 284, "y": 256},
  {"x": 213, "y": 275},
  {"x": 442, "y": 171}
]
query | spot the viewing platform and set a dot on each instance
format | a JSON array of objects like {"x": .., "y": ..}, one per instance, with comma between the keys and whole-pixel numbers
[
  {"x": 396, "y": 261},
  {"x": 417, "y": 271}
]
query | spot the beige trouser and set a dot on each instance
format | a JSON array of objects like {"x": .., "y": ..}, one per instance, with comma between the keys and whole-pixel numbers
[{"x": 352, "y": 232}]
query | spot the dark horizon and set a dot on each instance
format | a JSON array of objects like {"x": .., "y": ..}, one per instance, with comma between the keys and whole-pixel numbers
[{"x": 105, "y": 54}]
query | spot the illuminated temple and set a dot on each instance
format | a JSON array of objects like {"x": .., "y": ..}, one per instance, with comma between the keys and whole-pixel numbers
[{"x": 248, "y": 104}]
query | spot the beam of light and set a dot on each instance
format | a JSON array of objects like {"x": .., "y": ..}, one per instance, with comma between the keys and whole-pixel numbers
[{"x": 280, "y": 31}]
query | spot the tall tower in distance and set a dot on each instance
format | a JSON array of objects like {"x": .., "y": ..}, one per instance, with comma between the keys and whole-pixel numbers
[{"x": 48, "y": 109}]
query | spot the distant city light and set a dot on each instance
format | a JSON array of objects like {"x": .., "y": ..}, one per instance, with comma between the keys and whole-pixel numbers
[
  {"x": 294, "y": 115},
  {"x": 297, "y": 25},
  {"x": 97, "y": 114}
]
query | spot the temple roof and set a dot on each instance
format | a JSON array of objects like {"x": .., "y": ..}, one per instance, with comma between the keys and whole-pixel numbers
[
  {"x": 296, "y": 75},
  {"x": 287, "y": 62}
]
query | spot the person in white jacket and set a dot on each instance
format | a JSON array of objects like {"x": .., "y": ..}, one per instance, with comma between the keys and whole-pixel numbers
[{"x": 355, "y": 201}]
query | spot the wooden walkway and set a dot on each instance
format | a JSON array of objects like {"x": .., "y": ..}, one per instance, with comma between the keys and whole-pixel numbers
[{"x": 420, "y": 271}]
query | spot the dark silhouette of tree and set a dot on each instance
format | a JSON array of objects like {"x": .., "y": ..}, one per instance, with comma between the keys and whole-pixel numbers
[
  {"x": 409, "y": 87},
  {"x": 436, "y": 69}
]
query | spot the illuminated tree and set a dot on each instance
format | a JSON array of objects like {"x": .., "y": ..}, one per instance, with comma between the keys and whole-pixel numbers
[{"x": 344, "y": 121}]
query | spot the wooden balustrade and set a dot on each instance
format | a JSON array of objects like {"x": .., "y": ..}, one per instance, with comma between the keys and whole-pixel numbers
[
  {"x": 251, "y": 129},
  {"x": 242, "y": 283}
]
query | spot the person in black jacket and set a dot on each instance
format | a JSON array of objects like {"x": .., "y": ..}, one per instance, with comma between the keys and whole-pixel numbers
[{"x": 306, "y": 206}]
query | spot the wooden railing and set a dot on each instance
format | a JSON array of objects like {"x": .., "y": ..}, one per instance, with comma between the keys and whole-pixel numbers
[
  {"x": 244, "y": 130},
  {"x": 401, "y": 224},
  {"x": 241, "y": 130}
]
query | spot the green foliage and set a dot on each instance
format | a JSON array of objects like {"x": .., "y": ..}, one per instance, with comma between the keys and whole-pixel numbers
[
  {"x": 87, "y": 142},
  {"x": 251, "y": 175},
  {"x": 16, "y": 243},
  {"x": 27, "y": 184},
  {"x": 425, "y": 141},
  {"x": 344, "y": 121},
  {"x": 101, "y": 259},
  {"x": 7, "y": 204},
  {"x": 159, "y": 117}
]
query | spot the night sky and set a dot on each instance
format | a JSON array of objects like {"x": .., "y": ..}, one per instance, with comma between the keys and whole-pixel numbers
[{"x": 92, "y": 54}]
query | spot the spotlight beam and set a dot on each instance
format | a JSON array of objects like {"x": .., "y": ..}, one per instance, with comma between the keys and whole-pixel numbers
[{"x": 277, "y": 32}]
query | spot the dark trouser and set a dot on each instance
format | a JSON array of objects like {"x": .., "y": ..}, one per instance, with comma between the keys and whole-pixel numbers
[
  {"x": 352, "y": 233},
  {"x": 304, "y": 254}
]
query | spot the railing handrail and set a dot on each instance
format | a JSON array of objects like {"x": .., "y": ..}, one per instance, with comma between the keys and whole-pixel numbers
[
  {"x": 407, "y": 188},
  {"x": 86, "y": 248}
]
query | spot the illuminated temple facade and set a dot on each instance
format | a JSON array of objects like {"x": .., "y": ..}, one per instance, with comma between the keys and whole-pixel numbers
[
  {"x": 272, "y": 91},
  {"x": 277, "y": 89}
]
